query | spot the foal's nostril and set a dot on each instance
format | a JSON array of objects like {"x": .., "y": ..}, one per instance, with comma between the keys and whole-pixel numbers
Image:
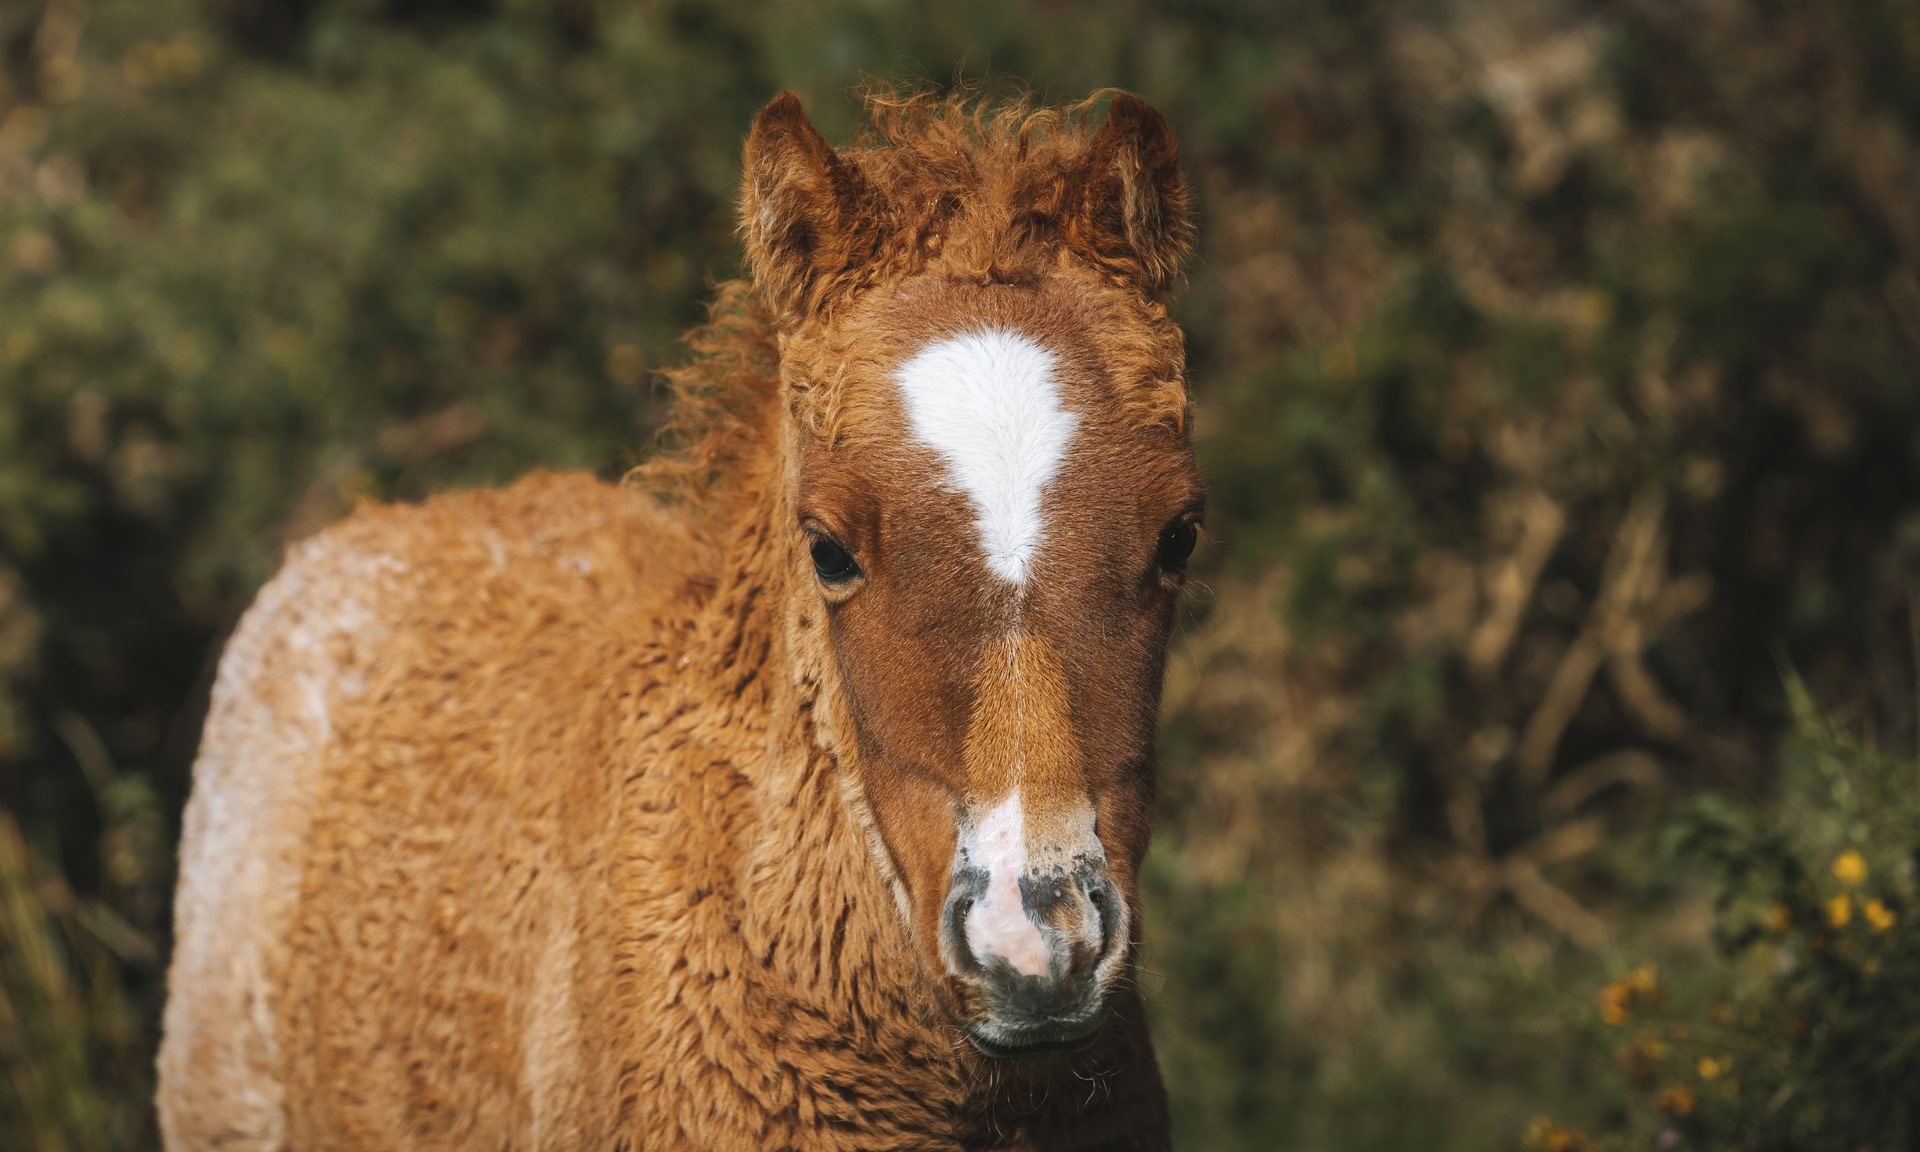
[
  {"x": 1043, "y": 896},
  {"x": 1106, "y": 905},
  {"x": 966, "y": 891},
  {"x": 1082, "y": 907}
]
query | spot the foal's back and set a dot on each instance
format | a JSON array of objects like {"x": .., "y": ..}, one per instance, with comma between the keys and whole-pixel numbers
[{"x": 338, "y": 813}]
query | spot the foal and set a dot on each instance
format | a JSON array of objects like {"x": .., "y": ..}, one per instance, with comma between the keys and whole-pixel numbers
[{"x": 794, "y": 797}]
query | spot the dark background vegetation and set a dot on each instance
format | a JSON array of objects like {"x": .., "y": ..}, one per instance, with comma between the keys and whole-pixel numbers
[{"x": 1558, "y": 391}]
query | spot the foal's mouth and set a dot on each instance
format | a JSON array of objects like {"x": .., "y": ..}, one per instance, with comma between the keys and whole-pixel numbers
[{"x": 1035, "y": 1045}]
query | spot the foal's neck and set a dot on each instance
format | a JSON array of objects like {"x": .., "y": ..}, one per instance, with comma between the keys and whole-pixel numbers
[{"x": 819, "y": 916}]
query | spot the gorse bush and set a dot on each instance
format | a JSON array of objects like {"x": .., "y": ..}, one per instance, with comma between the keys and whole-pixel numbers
[
  {"x": 1810, "y": 1035},
  {"x": 1820, "y": 905}
]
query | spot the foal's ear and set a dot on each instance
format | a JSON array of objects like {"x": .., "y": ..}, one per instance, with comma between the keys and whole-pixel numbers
[
  {"x": 1132, "y": 202},
  {"x": 809, "y": 215}
]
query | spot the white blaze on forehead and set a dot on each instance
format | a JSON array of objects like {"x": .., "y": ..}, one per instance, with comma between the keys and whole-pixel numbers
[
  {"x": 997, "y": 924},
  {"x": 989, "y": 403}
]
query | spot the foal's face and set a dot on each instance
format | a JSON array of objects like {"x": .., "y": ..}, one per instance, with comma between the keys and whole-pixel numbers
[{"x": 997, "y": 528}]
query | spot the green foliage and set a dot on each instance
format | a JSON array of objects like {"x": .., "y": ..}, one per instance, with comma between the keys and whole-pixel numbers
[
  {"x": 1802, "y": 1031},
  {"x": 1820, "y": 900}
]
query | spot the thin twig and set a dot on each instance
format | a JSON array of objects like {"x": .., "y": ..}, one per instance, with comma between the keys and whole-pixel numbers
[
  {"x": 1510, "y": 587},
  {"x": 1629, "y": 766},
  {"x": 1556, "y": 908}
]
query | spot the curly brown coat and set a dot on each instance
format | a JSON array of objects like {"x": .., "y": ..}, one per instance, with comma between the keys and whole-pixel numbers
[{"x": 537, "y": 818}]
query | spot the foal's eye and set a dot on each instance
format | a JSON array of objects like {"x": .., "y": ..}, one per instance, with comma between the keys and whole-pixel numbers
[
  {"x": 1176, "y": 544},
  {"x": 832, "y": 563}
]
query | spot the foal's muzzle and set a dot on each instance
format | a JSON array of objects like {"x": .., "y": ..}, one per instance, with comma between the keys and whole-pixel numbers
[{"x": 1039, "y": 965}]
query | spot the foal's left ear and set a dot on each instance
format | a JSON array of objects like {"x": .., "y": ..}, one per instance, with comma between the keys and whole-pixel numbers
[
  {"x": 1132, "y": 201},
  {"x": 810, "y": 217}
]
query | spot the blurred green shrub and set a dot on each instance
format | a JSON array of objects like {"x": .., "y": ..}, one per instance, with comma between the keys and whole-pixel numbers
[
  {"x": 1803, "y": 1031},
  {"x": 1834, "y": 1019}
]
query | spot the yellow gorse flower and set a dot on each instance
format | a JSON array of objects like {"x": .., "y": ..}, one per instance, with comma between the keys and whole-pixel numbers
[
  {"x": 1618, "y": 998},
  {"x": 1545, "y": 1134},
  {"x": 1850, "y": 867},
  {"x": 1840, "y": 910},
  {"x": 1616, "y": 1002},
  {"x": 1709, "y": 1068},
  {"x": 1675, "y": 1101},
  {"x": 1879, "y": 915},
  {"x": 1564, "y": 1140}
]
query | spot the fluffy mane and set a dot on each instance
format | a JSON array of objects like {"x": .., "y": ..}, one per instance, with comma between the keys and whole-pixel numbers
[
  {"x": 997, "y": 189},
  {"x": 719, "y": 404}
]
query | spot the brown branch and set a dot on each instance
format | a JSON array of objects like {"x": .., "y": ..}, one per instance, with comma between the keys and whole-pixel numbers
[
  {"x": 1464, "y": 819},
  {"x": 1641, "y": 695},
  {"x": 1542, "y": 522},
  {"x": 89, "y": 751},
  {"x": 1639, "y": 692},
  {"x": 1565, "y": 691},
  {"x": 1615, "y": 624},
  {"x": 1560, "y": 843},
  {"x": 1555, "y": 908},
  {"x": 1480, "y": 881},
  {"x": 1631, "y": 767}
]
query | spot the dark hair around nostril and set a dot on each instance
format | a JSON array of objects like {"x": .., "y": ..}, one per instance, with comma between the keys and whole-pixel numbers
[
  {"x": 968, "y": 886},
  {"x": 1042, "y": 895},
  {"x": 1106, "y": 901}
]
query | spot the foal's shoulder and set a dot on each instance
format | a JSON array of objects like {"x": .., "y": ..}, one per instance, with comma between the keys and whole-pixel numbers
[{"x": 565, "y": 536}]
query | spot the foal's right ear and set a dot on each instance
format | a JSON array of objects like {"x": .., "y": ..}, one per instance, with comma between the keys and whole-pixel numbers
[
  {"x": 1131, "y": 198},
  {"x": 809, "y": 215}
]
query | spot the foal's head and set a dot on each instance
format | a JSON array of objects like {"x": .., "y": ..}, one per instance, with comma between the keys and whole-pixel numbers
[{"x": 994, "y": 501}]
